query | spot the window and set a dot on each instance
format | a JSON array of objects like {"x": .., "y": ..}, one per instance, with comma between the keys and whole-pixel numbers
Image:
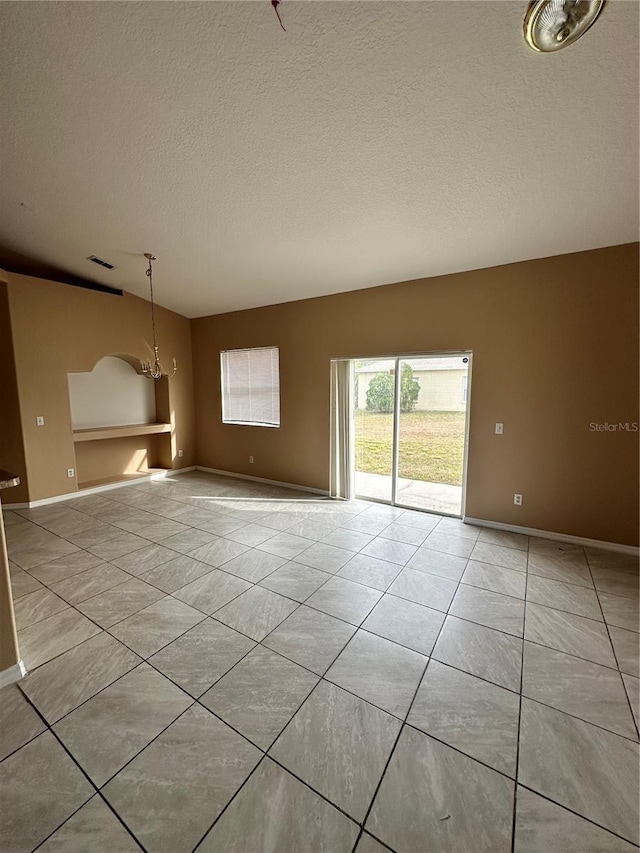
[{"x": 251, "y": 386}]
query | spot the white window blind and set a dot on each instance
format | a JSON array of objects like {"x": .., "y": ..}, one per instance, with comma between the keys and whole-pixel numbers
[{"x": 251, "y": 386}]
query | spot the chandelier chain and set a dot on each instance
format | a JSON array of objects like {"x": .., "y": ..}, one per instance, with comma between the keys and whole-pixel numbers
[
  {"x": 153, "y": 368},
  {"x": 153, "y": 306}
]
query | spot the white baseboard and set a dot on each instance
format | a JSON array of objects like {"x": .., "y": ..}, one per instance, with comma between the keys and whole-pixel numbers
[
  {"x": 550, "y": 534},
  {"x": 160, "y": 475},
  {"x": 323, "y": 492},
  {"x": 12, "y": 674},
  {"x": 107, "y": 487}
]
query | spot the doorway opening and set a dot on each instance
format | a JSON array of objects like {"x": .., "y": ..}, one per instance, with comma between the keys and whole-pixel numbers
[{"x": 410, "y": 432}]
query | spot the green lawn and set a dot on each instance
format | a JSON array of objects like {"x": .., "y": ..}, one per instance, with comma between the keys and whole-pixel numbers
[{"x": 431, "y": 445}]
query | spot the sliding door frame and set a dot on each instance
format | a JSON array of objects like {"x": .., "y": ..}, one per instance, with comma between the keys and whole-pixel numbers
[
  {"x": 396, "y": 427},
  {"x": 397, "y": 385}
]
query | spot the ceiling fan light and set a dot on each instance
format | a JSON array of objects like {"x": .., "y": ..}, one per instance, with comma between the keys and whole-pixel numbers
[{"x": 550, "y": 25}]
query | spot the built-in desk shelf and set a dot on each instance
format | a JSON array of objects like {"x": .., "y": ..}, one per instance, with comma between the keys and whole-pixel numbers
[{"x": 100, "y": 433}]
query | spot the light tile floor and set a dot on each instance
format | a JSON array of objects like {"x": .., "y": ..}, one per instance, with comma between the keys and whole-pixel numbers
[{"x": 231, "y": 667}]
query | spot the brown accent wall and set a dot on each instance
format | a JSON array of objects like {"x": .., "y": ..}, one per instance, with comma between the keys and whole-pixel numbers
[
  {"x": 57, "y": 329},
  {"x": 555, "y": 349},
  {"x": 11, "y": 447}
]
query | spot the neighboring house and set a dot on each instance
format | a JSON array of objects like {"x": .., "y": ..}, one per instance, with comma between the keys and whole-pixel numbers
[{"x": 443, "y": 382}]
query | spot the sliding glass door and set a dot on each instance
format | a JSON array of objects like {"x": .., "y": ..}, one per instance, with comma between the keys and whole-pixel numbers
[{"x": 411, "y": 419}]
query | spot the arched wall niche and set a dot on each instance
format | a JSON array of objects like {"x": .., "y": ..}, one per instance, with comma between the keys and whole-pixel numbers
[
  {"x": 131, "y": 360},
  {"x": 114, "y": 393}
]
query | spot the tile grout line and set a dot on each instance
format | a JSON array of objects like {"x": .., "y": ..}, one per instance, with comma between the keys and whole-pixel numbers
[
  {"x": 517, "y": 764},
  {"x": 577, "y": 814},
  {"x": 569, "y": 613},
  {"x": 89, "y": 698},
  {"x": 86, "y": 776},
  {"x": 266, "y": 755},
  {"x": 164, "y": 595},
  {"x": 321, "y": 678},
  {"x": 405, "y": 719},
  {"x": 540, "y": 794},
  {"x": 636, "y": 722},
  {"x": 228, "y": 803},
  {"x": 153, "y": 739}
]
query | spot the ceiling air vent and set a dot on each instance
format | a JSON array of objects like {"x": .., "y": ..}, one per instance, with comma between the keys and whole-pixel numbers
[{"x": 100, "y": 262}]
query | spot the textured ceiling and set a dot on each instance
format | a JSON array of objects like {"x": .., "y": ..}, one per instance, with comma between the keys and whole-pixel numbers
[{"x": 370, "y": 143}]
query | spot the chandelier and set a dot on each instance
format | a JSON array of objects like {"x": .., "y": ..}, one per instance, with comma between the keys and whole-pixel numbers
[{"x": 153, "y": 369}]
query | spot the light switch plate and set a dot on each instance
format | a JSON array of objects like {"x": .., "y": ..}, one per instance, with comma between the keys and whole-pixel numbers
[
  {"x": 499, "y": 429},
  {"x": 40, "y": 420}
]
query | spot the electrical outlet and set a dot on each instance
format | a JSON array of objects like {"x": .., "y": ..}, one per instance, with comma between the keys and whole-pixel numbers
[
  {"x": 251, "y": 460},
  {"x": 517, "y": 500},
  {"x": 499, "y": 429},
  {"x": 40, "y": 420},
  {"x": 70, "y": 472},
  {"x": 181, "y": 453}
]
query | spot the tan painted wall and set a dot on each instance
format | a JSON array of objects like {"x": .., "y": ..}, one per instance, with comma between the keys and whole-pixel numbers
[
  {"x": 58, "y": 328},
  {"x": 11, "y": 447},
  {"x": 555, "y": 348}
]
